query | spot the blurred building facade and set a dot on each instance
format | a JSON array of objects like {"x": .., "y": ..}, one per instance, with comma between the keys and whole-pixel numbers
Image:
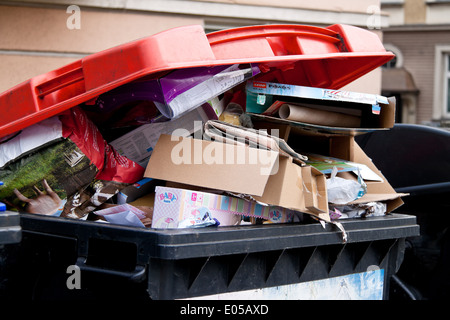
[
  {"x": 418, "y": 33},
  {"x": 37, "y": 36}
]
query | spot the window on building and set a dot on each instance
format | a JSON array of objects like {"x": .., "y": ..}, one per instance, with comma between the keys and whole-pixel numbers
[
  {"x": 441, "y": 97},
  {"x": 391, "y": 63},
  {"x": 447, "y": 81},
  {"x": 397, "y": 61}
]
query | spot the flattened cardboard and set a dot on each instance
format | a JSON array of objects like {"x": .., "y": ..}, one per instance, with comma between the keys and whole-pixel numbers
[
  {"x": 301, "y": 188},
  {"x": 290, "y": 185},
  {"x": 376, "y": 191},
  {"x": 345, "y": 147},
  {"x": 209, "y": 164}
]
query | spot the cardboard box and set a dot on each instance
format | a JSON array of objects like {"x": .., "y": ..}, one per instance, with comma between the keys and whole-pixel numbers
[
  {"x": 345, "y": 147},
  {"x": 261, "y": 174},
  {"x": 376, "y": 191},
  {"x": 343, "y": 112},
  {"x": 303, "y": 140},
  {"x": 300, "y": 188},
  {"x": 175, "y": 205}
]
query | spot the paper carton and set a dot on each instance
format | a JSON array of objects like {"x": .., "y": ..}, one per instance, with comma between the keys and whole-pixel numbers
[
  {"x": 211, "y": 164},
  {"x": 176, "y": 207},
  {"x": 376, "y": 191},
  {"x": 261, "y": 174},
  {"x": 345, "y": 147},
  {"x": 321, "y": 110},
  {"x": 301, "y": 188}
]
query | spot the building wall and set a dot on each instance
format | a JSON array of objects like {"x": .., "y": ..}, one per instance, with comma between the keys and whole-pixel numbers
[
  {"x": 418, "y": 51},
  {"x": 418, "y": 28},
  {"x": 318, "y": 5},
  {"x": 35, "y": 37},
  {"x": 438, "y": 12},
  {"x": 415, "y": 11},
  {"x": 425, "y": 12},
  {"x": 35, "y": 40}
]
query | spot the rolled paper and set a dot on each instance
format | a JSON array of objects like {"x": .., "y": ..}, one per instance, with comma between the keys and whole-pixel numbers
[{"x": 318, "y": 117}]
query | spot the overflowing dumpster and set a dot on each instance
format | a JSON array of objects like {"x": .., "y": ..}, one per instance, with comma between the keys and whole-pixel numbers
[{"x": 188, "y": 165}]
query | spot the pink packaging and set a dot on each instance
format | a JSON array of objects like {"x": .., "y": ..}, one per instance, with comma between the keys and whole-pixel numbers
[{"x": 178, "y": 208}]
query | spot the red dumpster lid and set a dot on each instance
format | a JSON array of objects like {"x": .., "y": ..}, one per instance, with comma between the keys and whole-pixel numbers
[{"x": 328, "y": 57}]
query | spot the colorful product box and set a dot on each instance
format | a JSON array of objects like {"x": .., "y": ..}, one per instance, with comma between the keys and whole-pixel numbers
[
  {"x": 178, "y": 208},
  {"x": 261, "y": 95},
  {"x": 318, "y": 109}
]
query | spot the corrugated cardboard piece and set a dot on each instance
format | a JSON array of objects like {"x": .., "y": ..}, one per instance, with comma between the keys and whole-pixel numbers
[
  {"x": 345, "y": 147},
  {"x": 301, "y": 188},
  {"x": 271, "y": 179},
  {"x": 211, "y": 164},
  {"x": 376, "y": 191}
]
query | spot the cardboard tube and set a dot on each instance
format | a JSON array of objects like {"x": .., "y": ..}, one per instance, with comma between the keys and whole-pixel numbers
[{"x": 318, "y": 117}]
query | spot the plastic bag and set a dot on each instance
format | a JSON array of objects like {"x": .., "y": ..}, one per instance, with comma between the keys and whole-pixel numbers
[
  {"x": 360, "y": 210},
  {"x": 342, "y": 191}
]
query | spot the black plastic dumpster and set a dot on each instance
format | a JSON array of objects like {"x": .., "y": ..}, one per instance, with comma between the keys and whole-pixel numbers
[
  {"x": 173, "y": 264},
  {"x": 10, "y": 237},
  {"x": 416, "y": 160}
]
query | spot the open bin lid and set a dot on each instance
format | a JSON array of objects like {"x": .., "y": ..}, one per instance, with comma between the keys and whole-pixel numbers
[{"x": 328, "y": 57}]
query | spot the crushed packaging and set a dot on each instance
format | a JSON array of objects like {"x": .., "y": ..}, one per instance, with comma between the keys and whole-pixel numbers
[{"x": 176, "y": 207}]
